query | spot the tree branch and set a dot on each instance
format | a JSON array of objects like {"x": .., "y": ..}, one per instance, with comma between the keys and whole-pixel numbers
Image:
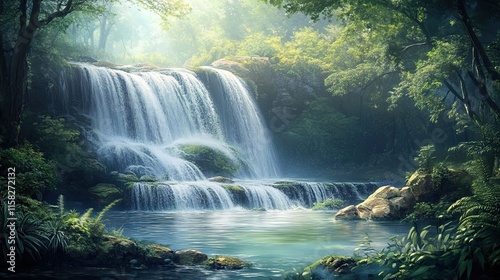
[{"x": 494, "y": 75}]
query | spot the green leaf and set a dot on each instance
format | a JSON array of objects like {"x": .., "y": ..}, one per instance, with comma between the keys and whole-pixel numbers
[{"x": 420, "y": 270}]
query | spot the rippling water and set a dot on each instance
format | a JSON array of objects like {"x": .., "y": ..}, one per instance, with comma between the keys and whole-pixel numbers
[{"x": 273, "y": 241}]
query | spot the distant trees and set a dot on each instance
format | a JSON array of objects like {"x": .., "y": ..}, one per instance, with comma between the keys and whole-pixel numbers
[
  {"x": 21, "y": 21},
  {"x": 442, "y": 53}
]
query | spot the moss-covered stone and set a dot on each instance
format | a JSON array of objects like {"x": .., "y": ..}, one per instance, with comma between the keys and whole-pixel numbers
[
  {"x": 209, "y": 160},
  {"x": 223, "y": 262},
  {"x": 158, "y": 255},
  {"x": 221, "y": 179},
  {"x": 189, "y": 257},
  {"x": 331, "y": 265},
  {"x": 128, "y": 177},
  {"x": 440, "y": 182}
]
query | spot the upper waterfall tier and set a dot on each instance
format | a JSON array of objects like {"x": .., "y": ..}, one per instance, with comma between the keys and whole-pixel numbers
[{"x": 143, "y": 121}]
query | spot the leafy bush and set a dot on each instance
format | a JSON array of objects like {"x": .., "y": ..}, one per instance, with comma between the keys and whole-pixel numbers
[
  {"x": 329, "y": 204},
  {"x": 426, "y": 157},
  {"x": 62, "y": 143},
  {"x": 34, "y": 173}
]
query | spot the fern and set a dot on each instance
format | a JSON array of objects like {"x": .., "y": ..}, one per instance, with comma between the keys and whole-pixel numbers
[{"x": 106, "y": 209}]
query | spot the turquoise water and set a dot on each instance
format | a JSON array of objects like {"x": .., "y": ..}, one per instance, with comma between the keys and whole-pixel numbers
[{"x": 273, "y": 241}]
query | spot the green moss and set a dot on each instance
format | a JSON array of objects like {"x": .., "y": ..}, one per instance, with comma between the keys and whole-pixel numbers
[
  {"x": 285, "y": 184},
  {"x": 329, "y": 204},
  {"x": 209, "y": 160},
  {"x": 233, "y": 188}
]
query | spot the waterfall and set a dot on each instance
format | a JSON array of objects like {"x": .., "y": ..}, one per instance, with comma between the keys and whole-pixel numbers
[
  {"x": 243, "y": 194},
  {"x": 148, "y": 122},
  {"x": 140, "y": 119},
  {"x": 238, "y": 109}
]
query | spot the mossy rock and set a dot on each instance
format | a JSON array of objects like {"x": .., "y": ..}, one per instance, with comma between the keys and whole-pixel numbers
[
  {"x": 331, "y": 265},
  {"x": 103, "y": 194},
  {"x": 210, "y": 160},
  {"x": 148, "y": 178},
  {"x": 158, "y": 255},
  {"x": 287, "y": 185},
  {"x": 189, "y": 257},
  {"x": 430, "y": 187},
  {"x": 114, "y": 252},
  {"x": 221, "y": 179},
  {"x": 223, "y": 262},
  {"x": 128, "y": 177}
]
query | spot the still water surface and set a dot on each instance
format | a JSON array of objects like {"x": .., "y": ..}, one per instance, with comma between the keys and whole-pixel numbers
[{"x": 273, "y": 241}]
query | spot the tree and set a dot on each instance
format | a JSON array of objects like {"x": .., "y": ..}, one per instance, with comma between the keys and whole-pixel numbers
[
  {"x": 21, "y": 20},
  {"x": 432, "y": 46}
]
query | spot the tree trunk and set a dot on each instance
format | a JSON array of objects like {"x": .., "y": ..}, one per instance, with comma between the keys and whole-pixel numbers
[{"x": 14, "y": 93}]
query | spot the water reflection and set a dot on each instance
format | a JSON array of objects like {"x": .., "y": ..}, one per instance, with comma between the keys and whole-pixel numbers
[{"x": 274, "y": 241}]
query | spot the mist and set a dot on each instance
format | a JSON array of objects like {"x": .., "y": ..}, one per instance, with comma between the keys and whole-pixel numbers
[{"x": 135, "y": 35}]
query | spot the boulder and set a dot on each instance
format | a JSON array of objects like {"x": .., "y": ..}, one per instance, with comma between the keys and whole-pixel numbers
[
  {"x": 386, "y": 203},
  {"x": 348, "y": 213},
  {"x": 385, "y": 192},
  {"x": 374, "y": 208},
  {"x": 222, "y": 262},
  {"x": 427, "y": 187},
  {"x": 331, "y": 267},
  {"x": 189, "y": 257},
  {"x": 422, "y": 187},
  {"x": 158, "y": 255}
]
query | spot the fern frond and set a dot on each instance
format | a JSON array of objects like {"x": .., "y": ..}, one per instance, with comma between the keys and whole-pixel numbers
[
  {"x": 106, "y": 209},
  {"x": 85, "y": 216}
]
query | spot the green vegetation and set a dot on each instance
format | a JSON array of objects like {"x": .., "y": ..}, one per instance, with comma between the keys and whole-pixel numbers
[{"x": 329, "y": 204}]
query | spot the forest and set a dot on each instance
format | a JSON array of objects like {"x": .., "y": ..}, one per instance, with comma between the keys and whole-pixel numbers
[{"x": 127, "y": 123}]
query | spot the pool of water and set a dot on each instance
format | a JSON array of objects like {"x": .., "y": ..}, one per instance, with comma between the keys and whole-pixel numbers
[{"x": 273, "y": 241}]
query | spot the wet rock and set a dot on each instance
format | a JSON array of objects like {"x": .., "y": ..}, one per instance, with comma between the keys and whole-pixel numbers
[
  {"x": 331, "y": 267},
  {"x": 386, "y": 203},
  {"x": 222, "y": 262},
  {"x": 189, "y": 257},
  {"x": 157, "y": 255},
  {"x": 348, "y": 213},
  {"x": 221, "y": 179}
]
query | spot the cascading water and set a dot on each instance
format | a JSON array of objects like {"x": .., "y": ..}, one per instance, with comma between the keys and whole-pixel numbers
[{"x": 140, "y": 120}]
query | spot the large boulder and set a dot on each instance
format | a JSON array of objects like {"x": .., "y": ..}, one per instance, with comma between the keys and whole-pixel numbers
[
  {"x": 386, "y": 203},
  {"x": 189, "y": 257},
  {"x": 348, "y": 213},
  {"x": 375, "y": 208},
  {"x": 442, "y": 182},
  {"x": 211, "y": 160}
]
